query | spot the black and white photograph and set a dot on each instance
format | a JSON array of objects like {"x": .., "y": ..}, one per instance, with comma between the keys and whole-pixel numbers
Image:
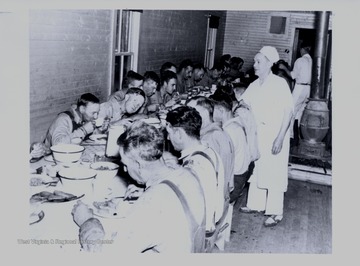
[{"x": 176, "y": 129}]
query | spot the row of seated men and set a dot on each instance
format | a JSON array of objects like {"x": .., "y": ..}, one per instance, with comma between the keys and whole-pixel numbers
[{"x": 214, "y": 136}]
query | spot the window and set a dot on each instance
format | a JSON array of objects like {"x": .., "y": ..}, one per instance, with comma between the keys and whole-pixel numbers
[
  {"x": 277, "y": 25},
  {"x": 127, "y": 28}
]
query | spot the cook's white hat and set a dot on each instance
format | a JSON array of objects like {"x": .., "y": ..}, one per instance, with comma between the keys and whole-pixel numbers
[{"x": 270, "y": 53}]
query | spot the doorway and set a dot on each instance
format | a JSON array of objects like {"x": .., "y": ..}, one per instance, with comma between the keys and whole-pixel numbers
[{"x": 303, "y": 36}]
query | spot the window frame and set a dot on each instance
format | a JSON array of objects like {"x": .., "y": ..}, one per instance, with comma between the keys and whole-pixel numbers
[{"x": 133, "y": 45}]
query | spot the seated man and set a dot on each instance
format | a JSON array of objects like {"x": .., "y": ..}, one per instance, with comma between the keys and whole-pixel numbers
[
  {"x": 167, "y": 66},
  {"x": 167, "y": 96},
  {"x": 198, "y": 74},
  {"x": 132, "y": 80},
  {"x": 77, "y": 122},
  {"x": 150, "y": 86},
  {"x": 211, "y": 76},
  {"x": 184, "y": 75},
  {"x": 157, "y": 221},
  {"x": 183, "y": 128},
  {"x": 223, "y": 114},
  {"x": 213, "y": 136},
  {"x": 115, "y": 108},
  {"x": 236, "y": 64}
]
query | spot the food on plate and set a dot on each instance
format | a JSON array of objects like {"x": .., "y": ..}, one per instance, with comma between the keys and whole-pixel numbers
[
  {"x": 56, "y": 196},
  {"x": 106, "y": 208},
  {"x": 36, "y": 181}
]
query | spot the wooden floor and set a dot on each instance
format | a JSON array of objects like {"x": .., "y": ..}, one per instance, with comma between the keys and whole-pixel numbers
[{"x": 305, "y": 229}]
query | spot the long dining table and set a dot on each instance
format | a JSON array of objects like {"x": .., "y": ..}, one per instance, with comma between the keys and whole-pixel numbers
[{"x": 53, "y": 226}]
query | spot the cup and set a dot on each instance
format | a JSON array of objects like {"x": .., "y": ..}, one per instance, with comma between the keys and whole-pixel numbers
[
  {"x": 213, "y": 88},
  {"x": 112, "y": 149}
]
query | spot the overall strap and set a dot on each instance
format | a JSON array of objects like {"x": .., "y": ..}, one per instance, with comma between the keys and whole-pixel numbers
[
  {"x": 189, "y": 215},
  {"x": 216, "y": 167},
  {"x": 75, "y": 125}
]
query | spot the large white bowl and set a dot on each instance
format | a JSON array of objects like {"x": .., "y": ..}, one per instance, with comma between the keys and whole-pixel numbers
[
  {"x": 105, "y": 170},
  {"x": 105, "y": 173},
  {"x": 78, "y": 180},
  {"x": 67, "y": 153}
]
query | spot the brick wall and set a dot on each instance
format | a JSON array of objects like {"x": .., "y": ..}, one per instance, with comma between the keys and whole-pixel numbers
[
  {"x": 173, "y": 35},
  {"x": 69, "y": 55},
  {"x": 247, "y": 31}
]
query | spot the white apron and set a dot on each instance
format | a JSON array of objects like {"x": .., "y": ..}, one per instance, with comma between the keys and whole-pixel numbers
[{"x": 268, "y": 102}]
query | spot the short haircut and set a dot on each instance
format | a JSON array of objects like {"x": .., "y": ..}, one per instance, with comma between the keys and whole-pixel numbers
[
  {"x": 131, "y": 76},
  {"x": 184, "y": 64},
  {"x": 227, "y": 89},
  {"x": 166, "y": 66},
  {"x": 152, "y": 75},
  {"x": 167, "y": 76},
  {"x": 236, "y": 61},
  {"x": 87, "y": 98},
  {"x": 187, "y": 118},
  {"x": 199, "y": 66},
  {"x": 136, "y": 91},
  {"x": 225, "y": 57},
  {"x": 144, "y": 140},
  {"x": 203, "y": 102},
  {"x": 218, "y": 67},
  {"x": 223, "y": 99},
  {"x": 306, "y": 46}
]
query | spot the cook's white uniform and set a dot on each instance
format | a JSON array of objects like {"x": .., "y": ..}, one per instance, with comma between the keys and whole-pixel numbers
[{"x": 269, "y": 103}]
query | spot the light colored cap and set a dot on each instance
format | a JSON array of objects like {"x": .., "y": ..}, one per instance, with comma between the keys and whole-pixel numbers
[{"x": 270, "y": 53}]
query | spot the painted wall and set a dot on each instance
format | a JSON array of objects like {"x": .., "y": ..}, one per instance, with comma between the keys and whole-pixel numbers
[
  {"x": 69, "y": 55},
  {"x": 247, "y": 31},
  {"x": 175, "y": 35}
]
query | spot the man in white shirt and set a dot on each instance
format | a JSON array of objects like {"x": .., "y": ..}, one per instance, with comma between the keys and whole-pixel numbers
[
  {"x": 183, "y": 128},
  {"x": 223, "y": 105},
  {"x": 301, "y": 73},
  {"x": 158, "y": 222}
]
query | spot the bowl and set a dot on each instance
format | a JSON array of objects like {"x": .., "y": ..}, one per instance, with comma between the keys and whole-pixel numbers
[
  {"x": 106, "y": 170},
  {"x": 105, "y": 173},
  {"x": 67, "y": 153},
  {"x": 78, "y": 180}
]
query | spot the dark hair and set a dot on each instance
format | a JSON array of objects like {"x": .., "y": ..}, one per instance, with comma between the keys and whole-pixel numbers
[
  {"x": 184, "y": 64},
  {"x": 152, "y": 75},
  {"x": 199, "y": 66},
  {"x": 167, "y": 76},
  {"x": 131, "y": 76},
  {"x": 225, "y": 57},
  {"x": 218, "y": 67},
  {"x": 223, "y": 99},
  {"x": 203, "y": 102},
  {"x": 236, "y": 61},
  {"x": 136, "y": 91},
  {"x": 227, "y": 89},
  {"x": 166, "y": 66},
  {"x": 87, "y": 98},
  {"x": 144, "y": 139},
  {"x": 187, "y": 118}
]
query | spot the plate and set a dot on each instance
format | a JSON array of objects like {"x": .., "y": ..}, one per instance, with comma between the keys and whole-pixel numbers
[
  {"x": 151, "y": 120},
  {"x": 77, "y": 173},
  {"x": 40, "y": 180},
  {"x": 49, "y": 158},
  {"x": 99, "y": 139},
  {"x": 36, "y": 217},
  {"x": 118, "y": 212}
]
